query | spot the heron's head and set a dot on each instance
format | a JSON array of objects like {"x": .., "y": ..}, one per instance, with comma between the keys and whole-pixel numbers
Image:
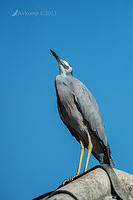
[{"x": 64, "y": 67}]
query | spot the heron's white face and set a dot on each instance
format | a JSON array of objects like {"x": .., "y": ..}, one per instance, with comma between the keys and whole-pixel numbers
[{"x": 65, "y": 68}]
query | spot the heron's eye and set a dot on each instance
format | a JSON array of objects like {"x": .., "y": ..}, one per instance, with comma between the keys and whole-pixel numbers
[{"x": 66, "y": 67}]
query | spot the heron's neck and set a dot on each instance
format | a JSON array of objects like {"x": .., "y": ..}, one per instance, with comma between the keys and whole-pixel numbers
[{"x": 68, "y": 74}]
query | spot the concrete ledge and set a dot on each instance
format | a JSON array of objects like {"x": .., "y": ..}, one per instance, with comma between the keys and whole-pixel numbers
[{"x": 94, "y": 185}]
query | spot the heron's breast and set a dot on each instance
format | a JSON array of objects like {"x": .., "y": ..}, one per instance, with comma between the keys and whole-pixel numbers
[
  {"x": 68, "y": 111},
  {"x": 66, "y": 102}
]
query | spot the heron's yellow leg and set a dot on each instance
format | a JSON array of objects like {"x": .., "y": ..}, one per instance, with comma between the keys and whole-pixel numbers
[
  {"x": 81, "y": 157},
  {"x": 90, "y": 147},
  {"x": 79, "y": 166}
]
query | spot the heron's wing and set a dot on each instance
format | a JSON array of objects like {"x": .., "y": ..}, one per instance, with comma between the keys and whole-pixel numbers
[{"x": 88, "y": 107}]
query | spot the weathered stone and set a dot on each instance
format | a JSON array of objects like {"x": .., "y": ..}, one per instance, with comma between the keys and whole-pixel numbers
[{"x": 94, "y": 185}]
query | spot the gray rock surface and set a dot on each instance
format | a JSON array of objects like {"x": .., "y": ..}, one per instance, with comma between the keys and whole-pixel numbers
[{"x": 95, "y": 185}]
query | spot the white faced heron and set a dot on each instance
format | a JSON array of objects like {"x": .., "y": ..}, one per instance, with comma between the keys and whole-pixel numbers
[{"x": 79, "y": 111}]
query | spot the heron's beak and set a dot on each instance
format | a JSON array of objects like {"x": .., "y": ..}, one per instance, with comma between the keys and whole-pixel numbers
[{"x": 55, "y": 55}]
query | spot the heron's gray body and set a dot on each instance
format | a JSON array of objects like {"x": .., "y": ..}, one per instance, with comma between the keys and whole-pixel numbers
[{"x": 79, "y": 111}]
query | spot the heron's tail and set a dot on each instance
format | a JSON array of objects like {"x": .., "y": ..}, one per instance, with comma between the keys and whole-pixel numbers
[
  {"x": 111, "y": 162},
  {"x": 109, "y": 159}
]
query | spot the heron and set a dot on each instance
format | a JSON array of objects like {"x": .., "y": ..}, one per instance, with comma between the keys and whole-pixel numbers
[{"x": 79, "y": 111}]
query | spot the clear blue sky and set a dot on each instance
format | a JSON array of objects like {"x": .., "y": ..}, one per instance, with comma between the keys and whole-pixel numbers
[{"x": 37, "y": 152}]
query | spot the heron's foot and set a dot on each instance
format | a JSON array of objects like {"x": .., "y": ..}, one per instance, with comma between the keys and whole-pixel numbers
[{"x": 69, "y": 180}]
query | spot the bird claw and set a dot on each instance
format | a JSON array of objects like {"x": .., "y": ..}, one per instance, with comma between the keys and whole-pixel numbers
[{"x": 69, "y": 180}]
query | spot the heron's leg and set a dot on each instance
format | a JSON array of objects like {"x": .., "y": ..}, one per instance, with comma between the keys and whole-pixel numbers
[
  {"x": 90, "y": 147},
  {"x": 81, "y": 157},
  {"x": 79, "y": 166}
]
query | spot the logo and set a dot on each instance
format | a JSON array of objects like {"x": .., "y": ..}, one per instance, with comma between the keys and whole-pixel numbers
[
  {"x": 14, "y": 14},
  {"x": 34, "y": 13}
]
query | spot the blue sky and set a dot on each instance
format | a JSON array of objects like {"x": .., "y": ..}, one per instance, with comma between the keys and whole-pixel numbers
[{"x": 37, "y": 152}]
